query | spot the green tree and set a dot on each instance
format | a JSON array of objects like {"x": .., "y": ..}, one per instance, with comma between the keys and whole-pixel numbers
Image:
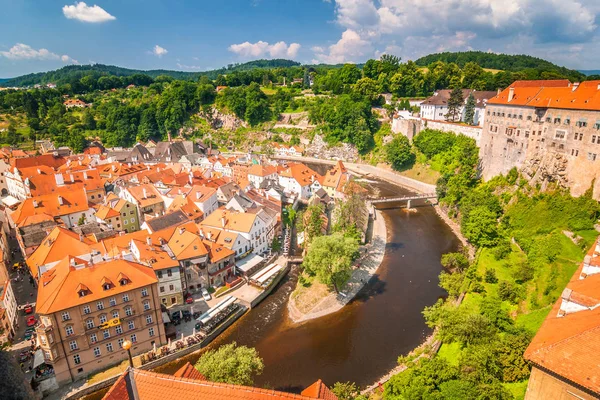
[
  {"x": 455, "y": 261},
  {"x": 345, "y": 390},
  {"x": 367, "y": 87},
  {"x": 330, "y": 259},
  {"x": 398, "y": 152},
  {"x": 481, "y": 227},
  {"x": 88, "y": 121},
  {"x": 470, "y": 110},
  {"x": 455, "y": 103},
  {"x": 312, "y": 221},
  {"x": 433, "y": 142},
  {"x": 230, "y": 363}
]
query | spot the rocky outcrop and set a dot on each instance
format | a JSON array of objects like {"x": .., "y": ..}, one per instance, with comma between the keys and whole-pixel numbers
[
  {"x": 320, "y": 149},
  {"x": 217, "y": 119},
  {"x": 546, "y": 167}
]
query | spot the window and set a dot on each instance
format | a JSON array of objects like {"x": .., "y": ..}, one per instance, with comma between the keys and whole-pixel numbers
[
  {"x": 102, "y": 318},
  {"x": 133, "y": 338},
  {"x": 109, "y": 347},
  {"x": 115, "y": 314},
  {"x": 132, "y": 220},
  {"x": 125, "y": 298},
  {"x": 567, "y": 121},
  {"x": 131, "y": 325},
  {"x": 112, "y": 302},
  {"x": 77, "y": 359},
  {"x": 557, "y": 120},
  {"x": 529, "y": 118},
  {"x": 124, "y": 222},
  {"x": 593, "y": 138},
  {"x": 148, "y": 319},
  {"x": 106, "y": 333},
  {"x": 151, "y": 332},
  {"x": 171, "y": 287},
  {"x": 128, "y": 311},
  {"x": 591, "y": 156},
  {"x": 581, "y": 124},
  {"x": 47, "y": 355},
  {"x": 120, "y": 342},
  {"x": 97, "y": 352},
  {"x": 69, "y": 330},
  {"x": 548, "y": 119},
  {"x": 118, "y": 329},
  {"x": 146, "y": 305},
  {"x": 73, "y": 345},
  {"x": 100, "y": 305},
  {"x": 574, "y": 152},
  {"x": 86, "y": 309},
  {"x": 43, "y": 340},
  {"x": 93, "y": 338},
  {"x": 162, "y": 289},
  {"x": 131, "y": 212},
  {"x": 159, "y": 274},
  {"x": 560, "y": 134},
  {"x": 89, "y": 323},
  {"x": 169, "y": 273},
  {"x": 144, "y": 292},
  {"x": 65, "y": 316}
]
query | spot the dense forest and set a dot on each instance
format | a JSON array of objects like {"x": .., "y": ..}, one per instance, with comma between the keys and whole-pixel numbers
[
  {"x": 503, "y": 62},
  {"x": 75, "y": 72}
]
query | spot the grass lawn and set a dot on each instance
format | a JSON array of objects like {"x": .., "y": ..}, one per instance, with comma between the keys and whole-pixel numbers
[
  {"x": 517, "y": 389},
  {"x": 451, "y": 352},
  {"x": 307, "y": 297},
  {"x": 421, "y": 172},
  {"x": 268, "y": 91},
  {"x": 533, "y": 320}
]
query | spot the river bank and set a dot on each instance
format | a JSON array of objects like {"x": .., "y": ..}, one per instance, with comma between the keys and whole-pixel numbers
[
  {"x": 455, "y": 227},
  {"x": 360, "y": 277}
]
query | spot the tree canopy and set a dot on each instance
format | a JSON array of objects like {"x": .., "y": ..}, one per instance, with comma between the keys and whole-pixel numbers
[{"x": 231, "y": 363}]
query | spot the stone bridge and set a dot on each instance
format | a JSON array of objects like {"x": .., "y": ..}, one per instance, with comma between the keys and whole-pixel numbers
[{"x": 408, "y": 199}]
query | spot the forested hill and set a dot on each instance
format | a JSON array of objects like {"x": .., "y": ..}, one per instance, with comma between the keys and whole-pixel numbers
[
  {"x": 76, "y": 72},
  {"x": 503, "y": 62}
]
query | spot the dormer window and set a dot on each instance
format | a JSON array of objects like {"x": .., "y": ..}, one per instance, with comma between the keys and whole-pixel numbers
[
  {"x": 123, "y": 282},
  {"x": 107, "y": 284},
  {"x": 82, "y": 293}
]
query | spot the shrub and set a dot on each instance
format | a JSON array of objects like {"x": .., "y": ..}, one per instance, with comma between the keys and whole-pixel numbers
[
  {"x": 502, "y": 250},
  {"x": 490, "y": 275}
]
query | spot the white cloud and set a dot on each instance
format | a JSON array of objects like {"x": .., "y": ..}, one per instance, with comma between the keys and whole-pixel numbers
[
  {"x": 82, "y": 12},
  {"x": 262, "y": 49},
  {"x": 190, "y": 67},
  {"x": 159, "y": 51},
  {"x": 350, "y": 48},
  {"x": 22, "y": 51}
]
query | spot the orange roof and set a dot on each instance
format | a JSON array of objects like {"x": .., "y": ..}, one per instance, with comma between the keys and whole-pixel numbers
[
  {"x": 217, "y": 252},
  {"x": 154, "y": 256},
  {"x": 301, "y": 173},
  {"x": 45, "y": 159},
  {"x": 232, "y": 220},
  {"x": 186, "y": 244},
  {"x": 155, "y": 386},
  {"x": 200, "y": 193},
  {"x": 188, "y": 371},
  {"x": 57, "y": 244},
  {"x": 567, "y": 342},
  {"x": 186, "y": 205},
  {"x": 261, "y": 170},
  {"x": 319, "y": 390},
  {"x": 105, "y": 212},
  {"x": 333, "y": 177},
  {"x": 63, "y": 202},
  {"x": 58, "y": 289},
  {"x": 551, "y": 94},
  {"x": 146, "y": 195}
]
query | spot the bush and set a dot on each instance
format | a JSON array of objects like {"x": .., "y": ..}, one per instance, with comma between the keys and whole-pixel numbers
[
  {"x": 490, "y": 275},
  {"x": 502, "y": 250},
  {"x": 523, "y": 272},
  {"x": 509, "y": 291},
  {"x": 398, "y": 152}
]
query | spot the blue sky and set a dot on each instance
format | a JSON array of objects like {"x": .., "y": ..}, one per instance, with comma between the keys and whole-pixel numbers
[{"x": 39, "y": 35}]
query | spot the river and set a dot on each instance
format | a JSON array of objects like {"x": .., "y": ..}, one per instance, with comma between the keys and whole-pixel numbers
[{"x": 361, "y": 342}]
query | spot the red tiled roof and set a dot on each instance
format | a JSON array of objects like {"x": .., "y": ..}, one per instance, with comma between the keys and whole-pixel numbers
[
  {"x": 188, "y": 371},
  {"x": 156, "y": 386}
]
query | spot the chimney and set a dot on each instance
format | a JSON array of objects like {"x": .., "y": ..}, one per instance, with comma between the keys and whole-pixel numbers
[
  {"x": 60, "y": 200},
  {"x": 181, "y": 230},
  {"x": 201, "y": 233},
  {"x": 499, "y": 91},
  {"x": 223, "y": 221},
  {"x": 85, "y": 175},
  {"x": 144, "y": 193},
  {"x": 35, "y": 203},
  {"x": 81, "y": 237},
  {"x": 208, "y": 235},
  {"x": 149, "y": 241},
  {"x": 511, "y": 94},
  {"x": 72, "y": 178},
  {"x": 198, "y": 195},
  {"x": 39, "y": 171}
]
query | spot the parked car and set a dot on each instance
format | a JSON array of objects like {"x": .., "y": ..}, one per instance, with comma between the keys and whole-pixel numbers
[
  {"x": 175, "y": 315},
  {"x": 31, "y": 321},
  {"x": 205, "y": 294},
  {"x": 28, "y": 335},
  {"x": 189, "y": 300},
  {"x": 187, "y": 315},
  {"x": 28, "y": 309}
]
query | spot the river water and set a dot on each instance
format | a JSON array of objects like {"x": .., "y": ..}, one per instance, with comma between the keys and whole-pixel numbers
[{"x": 361, "y": 342}]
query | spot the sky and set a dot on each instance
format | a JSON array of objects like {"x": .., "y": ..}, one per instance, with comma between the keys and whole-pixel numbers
[{"x": 196, "y": 35}]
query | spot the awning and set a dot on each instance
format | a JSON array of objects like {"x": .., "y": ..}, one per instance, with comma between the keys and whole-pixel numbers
[
  {"x": 38, "y": 358},
  {"x": 166, "y": 318},
  {"x": 10, "y": 201},
  {"x": 247, "y": 263}
]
